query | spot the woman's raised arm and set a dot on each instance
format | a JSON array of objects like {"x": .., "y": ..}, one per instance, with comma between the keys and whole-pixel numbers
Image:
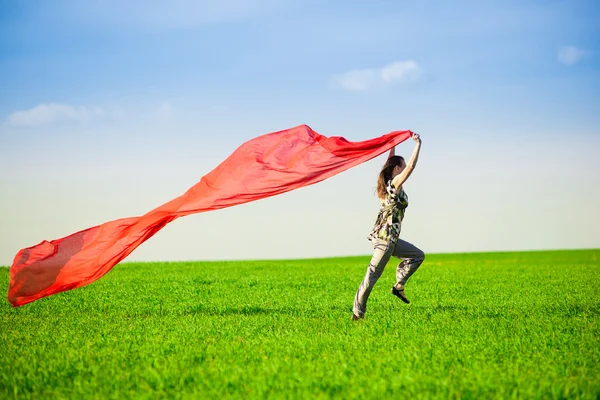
[{"x": 399, "y": 179}]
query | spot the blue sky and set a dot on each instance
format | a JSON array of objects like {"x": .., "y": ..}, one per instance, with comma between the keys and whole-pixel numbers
[{"x": 108, "y": 110}]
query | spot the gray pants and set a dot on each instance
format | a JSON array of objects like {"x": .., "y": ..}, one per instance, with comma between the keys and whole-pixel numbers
[{"x": 411, "y": 258}]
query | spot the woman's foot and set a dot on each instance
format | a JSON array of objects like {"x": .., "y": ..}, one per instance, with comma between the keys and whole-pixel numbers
[
  {"x": 398, "y": 291},
  {"x": 355, "y": 317}
]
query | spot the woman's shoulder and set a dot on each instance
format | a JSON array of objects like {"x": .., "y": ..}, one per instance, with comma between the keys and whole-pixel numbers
[
  {"x": 396, "y": 194},
  {"x": 392, "y": 190},
  {"x": 390, "y": 187}
]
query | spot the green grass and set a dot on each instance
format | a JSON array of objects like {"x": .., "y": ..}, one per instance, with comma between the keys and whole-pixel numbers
[{"x": 493, "y": 325}]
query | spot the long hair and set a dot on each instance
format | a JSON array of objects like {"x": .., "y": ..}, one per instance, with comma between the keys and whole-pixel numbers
[{"x": 386, "y": 174}]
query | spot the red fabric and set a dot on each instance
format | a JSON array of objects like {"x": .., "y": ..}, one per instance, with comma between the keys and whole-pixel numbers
[{"x": 265, "y": 166}]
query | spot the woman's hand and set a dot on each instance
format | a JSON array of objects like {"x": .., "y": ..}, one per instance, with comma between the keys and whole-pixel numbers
[{"x": 417, "y": 138}]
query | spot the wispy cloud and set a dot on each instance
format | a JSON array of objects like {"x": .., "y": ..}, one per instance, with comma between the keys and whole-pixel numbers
[
  {"x": 358, "y": 80},
  {"x": 53, "y": 113},
  {"x": 570, "y": 55},
  {"x": 165, "y": 110}
]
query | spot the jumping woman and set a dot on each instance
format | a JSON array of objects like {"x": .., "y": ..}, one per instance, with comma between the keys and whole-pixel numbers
[{"x": 386, "y": 232}]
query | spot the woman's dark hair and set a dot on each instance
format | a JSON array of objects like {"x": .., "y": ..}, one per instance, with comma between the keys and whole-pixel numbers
[{"x": 386, "y": 174}]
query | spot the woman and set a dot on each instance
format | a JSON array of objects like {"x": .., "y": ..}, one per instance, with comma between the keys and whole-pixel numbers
[{"x": 385, "y": 233}]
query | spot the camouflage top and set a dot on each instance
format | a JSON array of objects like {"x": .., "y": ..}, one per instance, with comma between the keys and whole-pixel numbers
[{"x": 391, "y": 214}]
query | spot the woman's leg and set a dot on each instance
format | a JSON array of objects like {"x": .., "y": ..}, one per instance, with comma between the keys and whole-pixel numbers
[
  {"x": 412, "y": 257},
  {"x": 382, "y": 252}
]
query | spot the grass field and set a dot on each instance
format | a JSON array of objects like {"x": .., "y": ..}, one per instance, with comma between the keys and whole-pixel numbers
[{"x": 493, "y": 325}]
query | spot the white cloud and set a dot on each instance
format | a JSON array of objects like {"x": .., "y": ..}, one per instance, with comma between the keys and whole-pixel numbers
[
  {"x": 53, "y": 113},
  {"x": 165, "y": 110},
  {"x": 364, "y": 79},
  {"x": 569, "y": 55}
]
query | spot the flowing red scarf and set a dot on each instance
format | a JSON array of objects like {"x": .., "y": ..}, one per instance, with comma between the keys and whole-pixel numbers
[{"x": 265, "y": 166}]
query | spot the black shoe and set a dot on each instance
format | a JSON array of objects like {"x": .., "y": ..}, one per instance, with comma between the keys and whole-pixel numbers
[
  {"x": 400, "y": 294},
  {"x": 355, "y": 317}
]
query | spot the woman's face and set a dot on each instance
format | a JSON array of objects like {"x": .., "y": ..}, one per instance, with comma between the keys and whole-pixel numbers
[{"x": 398, "y": 168}]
